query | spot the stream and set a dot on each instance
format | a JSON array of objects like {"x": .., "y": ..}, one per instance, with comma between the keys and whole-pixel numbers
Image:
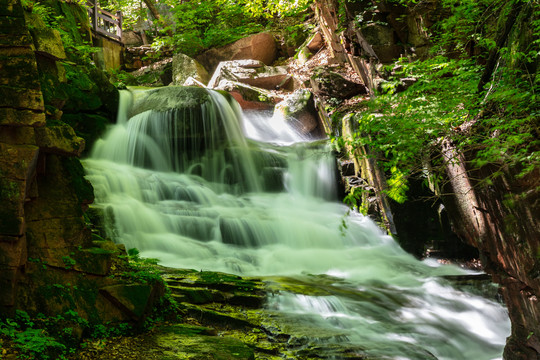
[{"x": 187, "y": 178}]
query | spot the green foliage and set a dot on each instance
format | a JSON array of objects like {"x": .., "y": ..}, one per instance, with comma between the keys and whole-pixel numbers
[
  {"x": 68, "y": 262},
  {"x": 52, "y": 337},
  {"x": 41, "y": 337},
  {"x": 192, "y": 26},
  {"x": 498, "y": 125},
  {"x": 201, "y": 25},
  {"x": 143, "y": 270}
]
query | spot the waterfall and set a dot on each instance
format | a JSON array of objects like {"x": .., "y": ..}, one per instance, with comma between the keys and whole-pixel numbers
[{"x": 187, "y": 178}]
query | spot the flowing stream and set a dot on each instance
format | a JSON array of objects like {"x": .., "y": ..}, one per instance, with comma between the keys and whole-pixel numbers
[{"x": 187, "y": 178}]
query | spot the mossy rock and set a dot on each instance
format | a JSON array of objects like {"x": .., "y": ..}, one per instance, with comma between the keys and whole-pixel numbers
[
  {"x": 201, "y": 347},
  {"x": 88, "y": 126},
  {"x": 170, "y": 97},
  {"x": 82, "y": 187}
]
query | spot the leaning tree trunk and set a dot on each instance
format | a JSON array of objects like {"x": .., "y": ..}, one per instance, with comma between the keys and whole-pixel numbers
[{"x": 155, "y": 13}]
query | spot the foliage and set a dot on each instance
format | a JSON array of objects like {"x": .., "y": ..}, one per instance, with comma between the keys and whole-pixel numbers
[
  {"x": 143, "y": 270},
  {"x": 193, "y": 26},
  {"x": 42, "y": 337},
  {"x": 498, "y": 125}
]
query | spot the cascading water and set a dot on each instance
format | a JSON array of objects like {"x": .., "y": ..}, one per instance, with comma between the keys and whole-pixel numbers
[{"x": 182, "y": 184}]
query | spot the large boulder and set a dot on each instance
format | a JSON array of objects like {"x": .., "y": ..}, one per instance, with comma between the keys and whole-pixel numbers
[
  {"x": 132, "y": 38},
  {"x": 260, "y": 47},
  {"x": 250, "y": 72},
  {"x": 157, "y": 74},
  {"x": 184, "y": 67},
  {"x": 299, "y": 111},
  {"x": 327, "y": 83}
]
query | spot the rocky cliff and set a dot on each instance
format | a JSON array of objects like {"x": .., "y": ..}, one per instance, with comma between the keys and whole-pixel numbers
[{"x": 49, "y": 260}]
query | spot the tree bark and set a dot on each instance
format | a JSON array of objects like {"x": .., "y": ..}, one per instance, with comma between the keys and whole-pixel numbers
[{"x": 155, "y": 13}]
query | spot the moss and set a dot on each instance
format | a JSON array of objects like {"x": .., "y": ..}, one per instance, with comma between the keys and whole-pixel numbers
[
  {"x": 88, "y": 126},
  {"x": 82, "y": 187},
  {"x": 171, "y": 97}
]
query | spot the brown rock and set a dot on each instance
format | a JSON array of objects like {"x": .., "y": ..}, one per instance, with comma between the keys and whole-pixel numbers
[
  {"x": 315, "y": 43},
  {"x": 299, "y": 110},
  {"x": 249, "y": 97},
  {"x": 20, "y": 135},
  {"x": 260, "y": 47},
  {"x": 331, "y": 84},
  {"x": 13, "y": 254}
]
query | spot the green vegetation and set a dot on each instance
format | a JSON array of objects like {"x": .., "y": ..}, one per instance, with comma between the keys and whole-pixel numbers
[
  {"x": 41, "y": 337},
  {"x": 489, "y": 112},
  {"x": 191, "y": 27}
]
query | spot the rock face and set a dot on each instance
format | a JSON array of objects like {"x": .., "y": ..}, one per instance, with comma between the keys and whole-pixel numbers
[
  {"x": 249, "y": 82},
  {"x": 49, "y": 262},
  {"x": 260, "y": 47}
]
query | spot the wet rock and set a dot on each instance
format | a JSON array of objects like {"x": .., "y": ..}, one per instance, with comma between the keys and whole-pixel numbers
[
  {"x": 167, "y": 98},
  {"x": 182, "y": 342}
]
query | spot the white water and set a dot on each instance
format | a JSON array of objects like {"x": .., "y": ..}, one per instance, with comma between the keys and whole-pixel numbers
[{"x": 209, "y": 210}]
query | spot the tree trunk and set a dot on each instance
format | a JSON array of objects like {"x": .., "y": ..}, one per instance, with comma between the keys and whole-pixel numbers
[{"x": 155, "y": 13}]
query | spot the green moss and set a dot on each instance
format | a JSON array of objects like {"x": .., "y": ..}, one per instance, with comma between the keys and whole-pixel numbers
[
  {"x": 82, "y": 187},
  {"x": 88, "y": 126}
]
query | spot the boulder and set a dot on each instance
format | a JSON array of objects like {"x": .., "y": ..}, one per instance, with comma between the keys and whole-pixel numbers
[
  {"x": 249, "y": 97},
  {"x": 184, "y": 67},
  {"x": 132, "y": 38},
  {"x": 157, "y": 74},
  {"x": 327, "y": 83},
  {"x": 315, "y": 42},
  {"x": 250, "y": 72},
  {"x": 299, "y": 111},
  {"x": 16, "y": 117},
  {"x": 260, "y": 47}
]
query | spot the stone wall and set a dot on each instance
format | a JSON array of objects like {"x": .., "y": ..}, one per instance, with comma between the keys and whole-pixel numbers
[{"x": 49, "y": 260}]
